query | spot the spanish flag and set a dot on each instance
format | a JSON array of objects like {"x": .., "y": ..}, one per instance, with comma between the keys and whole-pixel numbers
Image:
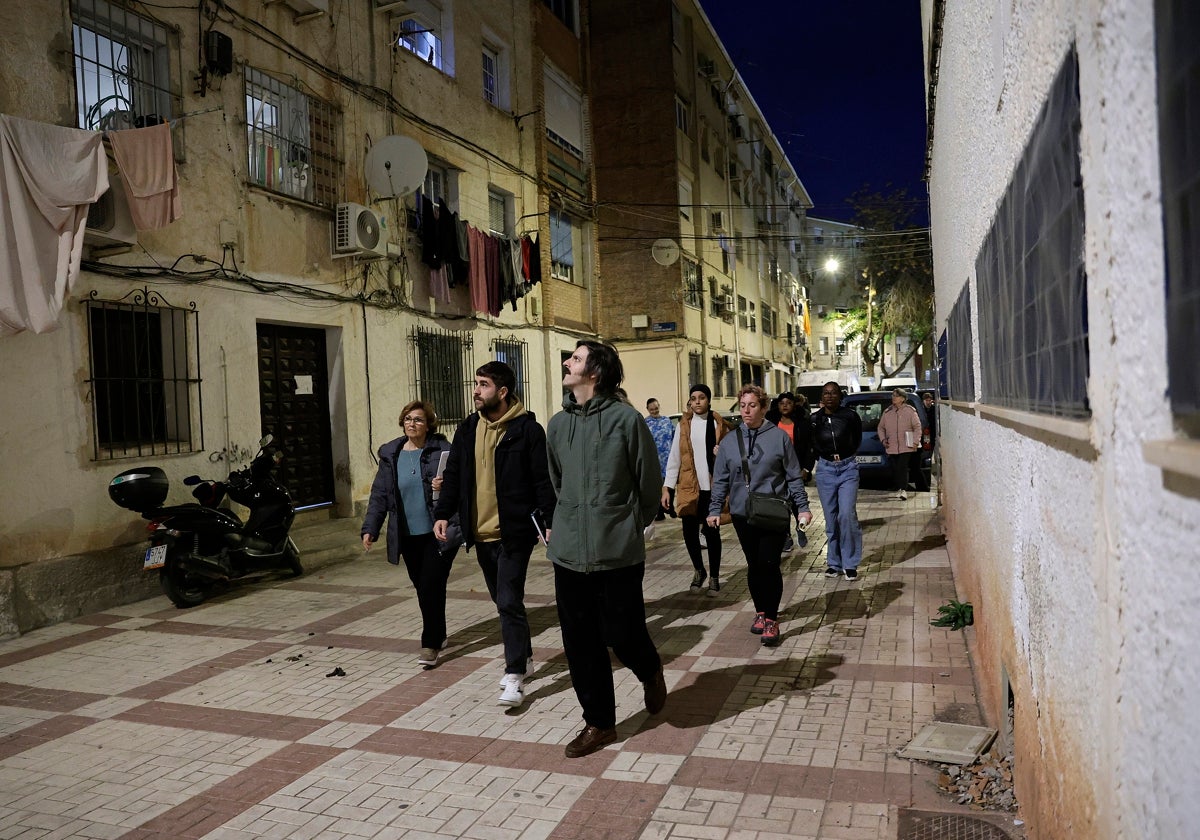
[{"x": 804, "y": 318}]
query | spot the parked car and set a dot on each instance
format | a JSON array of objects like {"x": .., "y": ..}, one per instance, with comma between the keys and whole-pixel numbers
[{"x": 871, "y": 457}]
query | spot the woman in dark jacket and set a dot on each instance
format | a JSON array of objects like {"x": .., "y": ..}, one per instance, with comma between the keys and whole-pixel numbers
[{"x": 403, "y": 492}]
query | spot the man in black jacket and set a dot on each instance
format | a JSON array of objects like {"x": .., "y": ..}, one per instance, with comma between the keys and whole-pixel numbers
[{"x": 497, "y": 479}]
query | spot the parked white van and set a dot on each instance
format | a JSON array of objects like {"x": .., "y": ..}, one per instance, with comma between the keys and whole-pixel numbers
[{"x": 900, "y": 379}]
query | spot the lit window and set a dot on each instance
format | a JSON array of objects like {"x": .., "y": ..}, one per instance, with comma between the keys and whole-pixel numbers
[
  {"x": 693, "y": 294},
  {"x": 491, "y": 66},
  {"x": 421, "y": 40},
  {"x": 291, "y": 140},
  {"x": 122, "y": 67},
  {"x": 682, "y": 116},
  {"x": 563, "y": 236}
]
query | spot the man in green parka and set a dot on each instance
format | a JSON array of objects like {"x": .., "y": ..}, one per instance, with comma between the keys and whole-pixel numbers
[{"x": 605, "y": 472}]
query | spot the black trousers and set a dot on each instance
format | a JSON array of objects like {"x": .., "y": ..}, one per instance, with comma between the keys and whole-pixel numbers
[
  {"x": 504, "y": 566},
  {"x": 693, "y": 524},
  {"x": 900, "y": 470},
  {"x": 428, "y": 570},
  {"x": 596, "y": 611},
  {"x": 763, "y": 575}
]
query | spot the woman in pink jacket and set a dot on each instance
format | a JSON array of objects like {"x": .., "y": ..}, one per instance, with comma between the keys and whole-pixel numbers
[{"x": 900, "y": 434}]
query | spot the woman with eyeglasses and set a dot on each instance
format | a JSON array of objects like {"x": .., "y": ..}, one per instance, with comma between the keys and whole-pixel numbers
[{"x": 405, "y": 487}]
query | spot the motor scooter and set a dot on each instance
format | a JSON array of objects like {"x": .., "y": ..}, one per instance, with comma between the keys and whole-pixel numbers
[{"x": 196, "y": 546}]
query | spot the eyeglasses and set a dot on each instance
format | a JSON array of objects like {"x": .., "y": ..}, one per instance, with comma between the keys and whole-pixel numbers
[{"x": 416, "y": 421}]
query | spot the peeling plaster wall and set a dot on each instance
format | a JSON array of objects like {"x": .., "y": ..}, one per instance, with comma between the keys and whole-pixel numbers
[{"x": 1083, "y": 566}]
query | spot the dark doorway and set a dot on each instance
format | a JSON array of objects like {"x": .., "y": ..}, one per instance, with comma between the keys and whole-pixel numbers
[{"x": 293, "y": 387}]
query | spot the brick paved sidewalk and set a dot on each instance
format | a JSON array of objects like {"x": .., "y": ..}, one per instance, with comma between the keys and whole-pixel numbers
[{"x": 222, "y": 722}]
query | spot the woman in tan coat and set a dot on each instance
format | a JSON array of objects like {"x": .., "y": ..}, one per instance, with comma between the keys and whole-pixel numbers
[
  {"x": 689, "y": 473},
  {"x": 900, "y": 434}
]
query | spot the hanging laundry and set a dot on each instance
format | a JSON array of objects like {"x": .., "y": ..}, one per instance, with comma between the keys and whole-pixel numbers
[
  {"x": 462, "y": 261},
  {"x": 430, "y": 255},
  {"x": 146, "y": 159},
  {"x": 492, "y": 264},
  {"x": 477, "y": 243},
  {"x": 49, "y": 175},
  {"x": 439, "y": 288},
  {"x": 535, "y": 261}
]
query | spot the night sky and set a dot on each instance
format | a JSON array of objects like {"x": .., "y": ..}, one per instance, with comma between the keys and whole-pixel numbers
[{"x": 842, "y": 87}]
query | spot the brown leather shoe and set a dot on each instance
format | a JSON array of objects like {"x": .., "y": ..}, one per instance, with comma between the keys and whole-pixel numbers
[
  {"x": 590, "y": 739},
  {"x": 655, "y": 693}
]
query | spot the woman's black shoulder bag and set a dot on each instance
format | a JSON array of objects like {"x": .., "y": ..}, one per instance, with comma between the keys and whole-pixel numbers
[{"x": 770, "y": 513}]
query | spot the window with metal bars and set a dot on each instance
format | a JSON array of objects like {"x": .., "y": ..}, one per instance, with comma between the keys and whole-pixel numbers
[
  {"x": 693, "y": 292},
  {"x": 960, "y": 361},
  {"x": 291, "y": 140},
  {"x": 695, "y": 369},
  {"x": 1030, "y": 275},
  {"x": 122, "y": 67},
  {"x": 513, "y": 352},
  {"x": 144, "y": 376},
  {"x": 444, "y": 372},
  {"x": 1178, "y": 45}
]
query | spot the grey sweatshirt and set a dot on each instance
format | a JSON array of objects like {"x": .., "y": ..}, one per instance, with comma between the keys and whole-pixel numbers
[{"x": 774, "y": 469}]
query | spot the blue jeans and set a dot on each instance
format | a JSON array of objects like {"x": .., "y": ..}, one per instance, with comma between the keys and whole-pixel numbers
[{"x": 837, "y": 485}]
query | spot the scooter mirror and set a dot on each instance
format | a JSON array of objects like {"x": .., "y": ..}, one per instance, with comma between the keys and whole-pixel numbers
[
  {"x": 266, "y": 439},
  {"x": 192, "y": 479}
]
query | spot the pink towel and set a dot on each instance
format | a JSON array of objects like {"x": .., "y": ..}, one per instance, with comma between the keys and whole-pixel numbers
[
  {"x": 49, "y": 176},
  {"x": 146, "y": 159}
]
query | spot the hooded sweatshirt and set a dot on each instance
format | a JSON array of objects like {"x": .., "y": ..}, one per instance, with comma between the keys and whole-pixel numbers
[
  {"x": 487, "y": 438},
  {"x": 605, "y": 472}
]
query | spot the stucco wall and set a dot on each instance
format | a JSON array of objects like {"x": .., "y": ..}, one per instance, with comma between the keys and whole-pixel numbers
[{"x": 1081, "y": 557}]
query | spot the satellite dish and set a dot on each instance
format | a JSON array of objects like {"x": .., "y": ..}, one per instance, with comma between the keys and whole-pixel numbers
[
  {"x": 396, "y": 166},
  {"x": 664, "y": 251}
]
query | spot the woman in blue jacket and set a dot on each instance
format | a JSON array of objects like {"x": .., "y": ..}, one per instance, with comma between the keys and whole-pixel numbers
[{"x": 403, "y": 492}]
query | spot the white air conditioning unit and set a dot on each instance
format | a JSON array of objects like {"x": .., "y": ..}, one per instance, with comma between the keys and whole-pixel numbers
[
  {"x": 109, "y": 223},
  {"x": 727, "y": 361},
  {"x": 821, "y": 311},
  {"x": 727, "y": 304},
  {"x": 717, "y": 221},
  {"x": 359, "y": 232}
]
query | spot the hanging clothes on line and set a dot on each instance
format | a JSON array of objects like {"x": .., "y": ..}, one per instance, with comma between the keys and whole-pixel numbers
[
  {"x": 49, "y": 176},
  {"x": 146, "y": 160}
]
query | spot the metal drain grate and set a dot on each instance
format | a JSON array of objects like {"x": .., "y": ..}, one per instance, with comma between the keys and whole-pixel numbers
[{"x": 928, "y": 825}]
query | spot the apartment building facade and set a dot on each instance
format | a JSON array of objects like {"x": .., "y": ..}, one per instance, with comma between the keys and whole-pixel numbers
[
  {"x": 700, "y": 214},
  {"x": 291, "y": 296}
]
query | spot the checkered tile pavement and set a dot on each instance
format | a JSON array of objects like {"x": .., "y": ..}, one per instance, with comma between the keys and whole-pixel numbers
[{"x": 223, "y": 722}]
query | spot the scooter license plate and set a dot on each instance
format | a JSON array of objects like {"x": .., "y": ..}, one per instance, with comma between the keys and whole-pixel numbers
[{"x": 156, "y": 557}]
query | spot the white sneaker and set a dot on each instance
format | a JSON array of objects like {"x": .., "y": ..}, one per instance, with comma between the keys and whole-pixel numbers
[
  {"x": 528, "y": 671},
  {"x": 512, "y": 696},
  {"x": 902, "y": 496}
]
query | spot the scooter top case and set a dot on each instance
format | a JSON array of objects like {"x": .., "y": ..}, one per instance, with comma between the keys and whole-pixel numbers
[{"x": 139, "y": 489}]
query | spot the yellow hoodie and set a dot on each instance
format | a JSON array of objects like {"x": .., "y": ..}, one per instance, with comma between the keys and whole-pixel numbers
[{"x": 487, "y": 438}]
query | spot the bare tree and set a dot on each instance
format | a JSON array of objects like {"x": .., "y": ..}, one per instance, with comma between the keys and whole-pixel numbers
[{"x": 895, "y": 276}]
